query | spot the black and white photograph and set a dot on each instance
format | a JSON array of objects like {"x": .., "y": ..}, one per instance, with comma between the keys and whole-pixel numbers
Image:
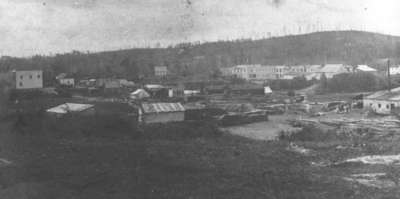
[{"x": 199, "y": 99}]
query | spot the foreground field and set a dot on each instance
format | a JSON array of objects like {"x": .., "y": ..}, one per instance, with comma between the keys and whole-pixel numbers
[{"x": 175, "y": 161}]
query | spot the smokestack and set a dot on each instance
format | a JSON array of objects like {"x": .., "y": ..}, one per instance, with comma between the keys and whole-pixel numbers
[{"x": 389, "y": 82}]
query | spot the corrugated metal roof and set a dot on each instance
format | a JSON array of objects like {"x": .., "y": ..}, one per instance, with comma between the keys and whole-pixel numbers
[{"x": 162, "y": 107}]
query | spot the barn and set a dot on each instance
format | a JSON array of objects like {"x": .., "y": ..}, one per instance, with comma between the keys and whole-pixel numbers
[{"x": 161, "y": 112}]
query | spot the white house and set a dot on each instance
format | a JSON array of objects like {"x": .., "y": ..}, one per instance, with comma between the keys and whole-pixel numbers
[
  {"x": 258, "y": 72},
  {"x": 28, "y": 79},
  {"x": 383, "y": 102},
  {"x": 331, "y": 70},
  {"x": 394, "y": 70},
  {"x": 267, "y": 90},
  {"x": 160, "y": 71}
]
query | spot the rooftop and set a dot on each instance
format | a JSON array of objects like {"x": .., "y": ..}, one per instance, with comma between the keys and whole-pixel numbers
[
  {"x": 365, "y": 68},
  {"x": 392, "y": 95},
  {"x": 162, "y": 107},
  {"x": 69, "y": 107}
]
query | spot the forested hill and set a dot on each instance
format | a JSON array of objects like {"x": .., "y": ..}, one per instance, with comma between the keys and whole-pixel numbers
[{"x": 202, "y": 60}]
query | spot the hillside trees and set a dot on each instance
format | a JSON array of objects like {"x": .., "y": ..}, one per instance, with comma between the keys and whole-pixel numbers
[
  {"x": 355, "y": 82},
  {"x": 200, "y": 59}
]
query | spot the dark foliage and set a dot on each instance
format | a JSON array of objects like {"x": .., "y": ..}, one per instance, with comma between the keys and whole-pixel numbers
[
  {"x": 293, "y": 84},
  {"x": 355, "y": 82},
  {"x": 310, "y": 133},
  {"x": 202, "y": 60}
]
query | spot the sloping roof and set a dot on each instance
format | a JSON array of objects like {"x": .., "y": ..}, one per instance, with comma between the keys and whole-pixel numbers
[
  {"x": 334, "y": 68},
  {"x": 139, "y": 94},
  {"x": 394, "y": 94},
  {"x": 365, "y": 68},
  {"x": 69, "y": 107},
  {"x": 160, "y": 67},
  {"x": 61, "y": 76},
  {"x": 314, "y": 67},
  {"x": 154, "y": 86},
  {"x": 162, "y": 107}
]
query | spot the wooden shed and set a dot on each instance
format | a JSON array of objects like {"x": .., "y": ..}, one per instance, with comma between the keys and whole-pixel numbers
[{"x": 161, "y": 112}]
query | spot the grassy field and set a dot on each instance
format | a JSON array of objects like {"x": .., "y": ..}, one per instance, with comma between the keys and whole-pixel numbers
[{"x": 106, "y": 158}]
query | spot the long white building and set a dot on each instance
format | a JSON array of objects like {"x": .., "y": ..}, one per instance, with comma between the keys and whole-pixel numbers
[{"x": 260, "y": 72}]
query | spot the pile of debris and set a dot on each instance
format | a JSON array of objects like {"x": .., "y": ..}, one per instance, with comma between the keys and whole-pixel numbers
[{"x": 350, "y": 124}]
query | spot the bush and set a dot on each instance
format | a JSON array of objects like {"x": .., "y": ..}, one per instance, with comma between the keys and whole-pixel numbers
[
  {"x": 355, "y": 82},
  {"x": 309, "y": 133},
  {"x": 293, "y": 84}
]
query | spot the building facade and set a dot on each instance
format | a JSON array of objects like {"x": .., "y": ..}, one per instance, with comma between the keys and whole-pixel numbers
[
  {"x": 394, "y": 70},
  {"x": 261, "y": 72},
  {"x": 160, "y": 71},
  {"x": 29, "y": 79},
  {"x": 67, "y": 82},
  {"x": 383, "y": 102}
]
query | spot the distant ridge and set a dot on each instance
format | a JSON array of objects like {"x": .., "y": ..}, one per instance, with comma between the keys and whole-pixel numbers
[{"x": 188, "y": 59}]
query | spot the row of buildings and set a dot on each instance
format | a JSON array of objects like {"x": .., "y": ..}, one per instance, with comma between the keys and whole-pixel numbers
[
  {"x": 261, "y": 72},
  {"x": 33, "y": 79}
]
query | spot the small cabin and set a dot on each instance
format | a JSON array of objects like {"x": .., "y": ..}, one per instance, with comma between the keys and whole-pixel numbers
[{"x": 161, "y": 112}]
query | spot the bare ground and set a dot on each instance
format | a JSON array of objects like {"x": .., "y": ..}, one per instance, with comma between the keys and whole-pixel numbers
[{"x": 114, "y": 164}]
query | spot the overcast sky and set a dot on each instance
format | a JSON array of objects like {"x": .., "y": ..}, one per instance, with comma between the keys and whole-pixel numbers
[{"x": 29, "y": 27}]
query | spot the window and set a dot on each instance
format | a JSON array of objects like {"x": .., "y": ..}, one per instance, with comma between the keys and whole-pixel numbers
[
  {"x": 38, "y": 76},
  {"x": 21, "y": 77},
  {"x": 20, "y": 84},
  {"x": 30, "y": 76},
  {"x": 391, "y": 106},
  {"x": 387, "y": 106},
  {"x": 379, "y": 105},
  {"x": 370, "y": 104}
]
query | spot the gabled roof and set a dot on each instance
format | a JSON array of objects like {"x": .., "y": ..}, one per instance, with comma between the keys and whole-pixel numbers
[
  {"x": 162, "y": 107},
  {"x": 392, "y": 95},
  {"x": 334, "y": 68},
  {"x": 69, "y": 107},
  {"x": 365, "y": 68},
  {"x": 139, "y": 94},
  {"x": 61, "y": 76}
]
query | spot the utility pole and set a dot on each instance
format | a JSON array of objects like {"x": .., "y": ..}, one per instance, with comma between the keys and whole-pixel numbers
[{"x": 388, "y": 68}]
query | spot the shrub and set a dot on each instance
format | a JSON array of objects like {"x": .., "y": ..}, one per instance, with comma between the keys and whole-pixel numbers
[{"x": 309, "y": 133}]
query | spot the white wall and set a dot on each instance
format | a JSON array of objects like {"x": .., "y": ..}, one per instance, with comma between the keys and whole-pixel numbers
[
  {"x": 29, "y": 79},
  {"x": 379, "y": 106}
]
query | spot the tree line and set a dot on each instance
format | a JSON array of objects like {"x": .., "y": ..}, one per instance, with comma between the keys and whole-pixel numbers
[{"x": 204, "y": 60}]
